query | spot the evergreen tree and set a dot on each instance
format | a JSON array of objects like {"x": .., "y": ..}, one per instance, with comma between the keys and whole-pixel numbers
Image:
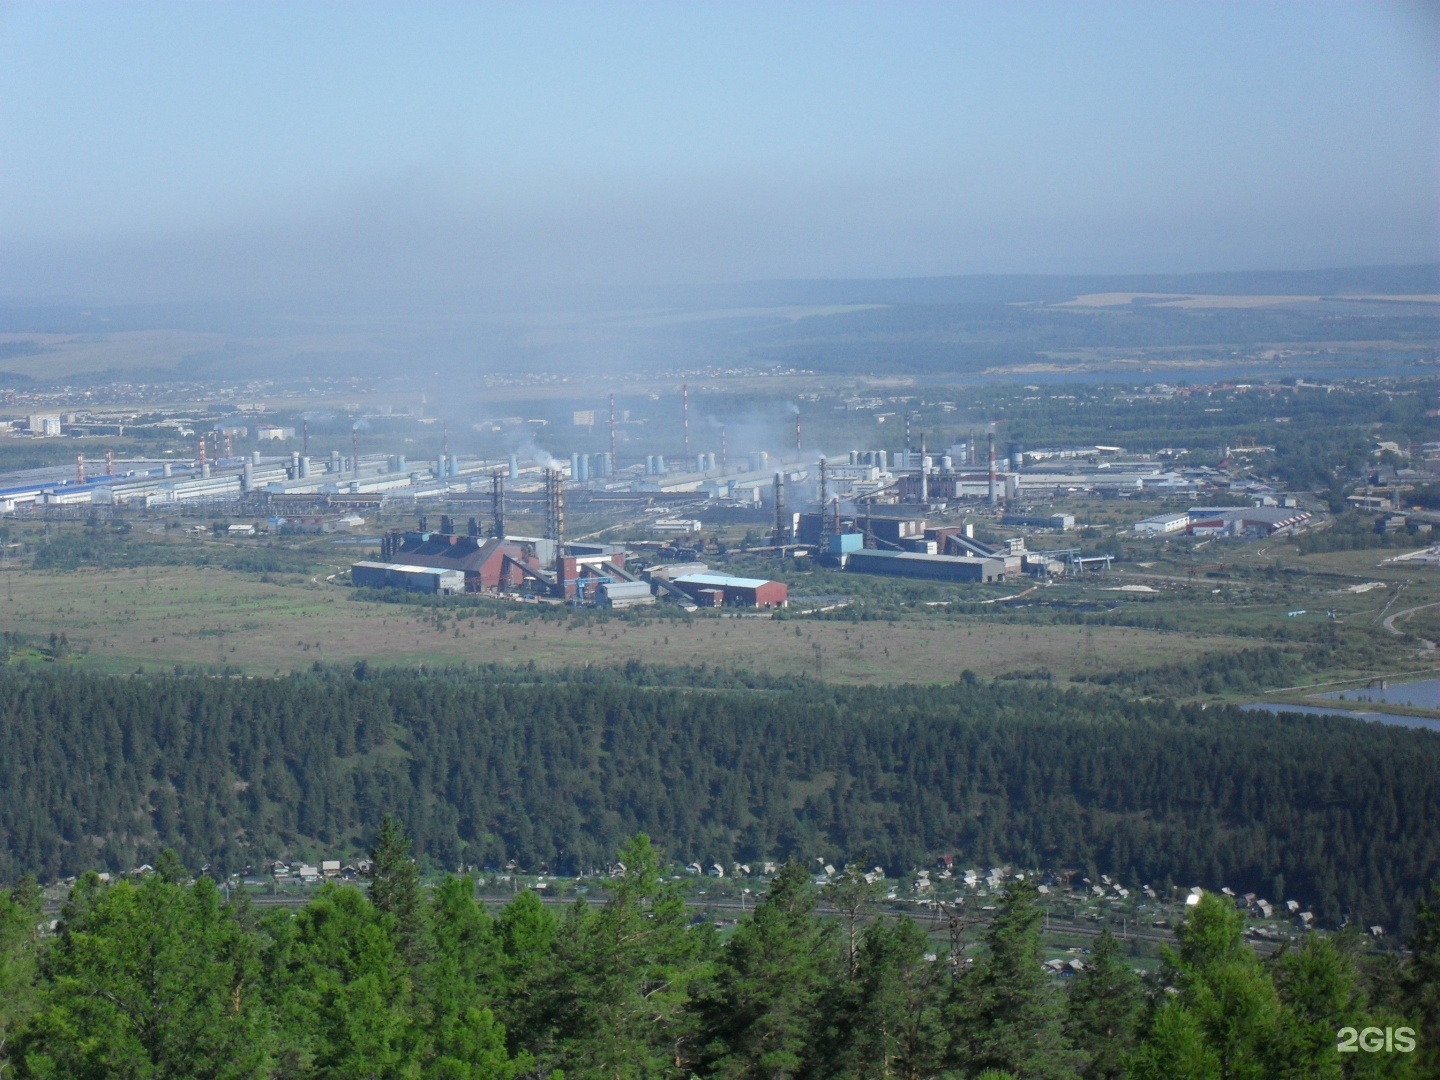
[
  {"x": 1224, "y": 994},
  {"x": 620, "y": 977},
  {"x": 1419, "y": 983},
  {"x": 155, "y": 981},
  {"x": 1104, "y": 1010},
  {"x": 340, "y": 991},
  {"x": 20, "y": 913},
  {"x": 1176, "y": 1046},
  {"x": 395, "y": 890},
  {"x": 465, "y": 1041},
  {"x": 1005, "y": 1013},
  {"x": 760, "y": 1011},
  {"x": 892, "y": 1022}
]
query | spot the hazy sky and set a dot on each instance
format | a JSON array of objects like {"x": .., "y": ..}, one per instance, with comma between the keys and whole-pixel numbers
[{"x": 193, "y": 149}]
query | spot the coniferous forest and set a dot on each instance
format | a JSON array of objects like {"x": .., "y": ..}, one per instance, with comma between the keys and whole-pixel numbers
[
  {"x": 555, "y": 771},
  {"x": 163, "y": 978}
]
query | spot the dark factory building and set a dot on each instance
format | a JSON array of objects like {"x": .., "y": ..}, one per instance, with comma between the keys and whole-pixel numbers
[
  {"x": 488, "y": 564},
  {"x": 934, "y": 567}
]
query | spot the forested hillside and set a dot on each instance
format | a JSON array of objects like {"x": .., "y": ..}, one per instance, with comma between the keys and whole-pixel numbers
[
  {"x": 488, "y": 766},
  {"x": 156, "y": 978}
]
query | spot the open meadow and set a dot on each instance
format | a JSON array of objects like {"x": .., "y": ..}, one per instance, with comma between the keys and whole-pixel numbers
[{"x": 125, "y": 619}]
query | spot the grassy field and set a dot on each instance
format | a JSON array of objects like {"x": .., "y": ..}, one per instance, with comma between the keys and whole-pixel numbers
[
  {"x": 121, "y": 620},
  {"x": 1148, "y": 612}
]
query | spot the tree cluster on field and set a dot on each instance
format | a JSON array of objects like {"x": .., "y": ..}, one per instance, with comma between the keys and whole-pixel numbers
[{"x": 164, "y": 978}]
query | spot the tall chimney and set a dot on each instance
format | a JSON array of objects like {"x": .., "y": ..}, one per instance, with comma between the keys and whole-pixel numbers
[
  {"x": 305, "y": 441},
  {"x": 685, "y": 417},
  {"x": 797, "y": 429},
  {"x": 497, "y": 502},
  {"x": 824, "y": 501},
  {"x": 354, "y": 452},
  {"x": 110, "y": 461},
  {"x": 445, "y": 468},
  {"x": 924, "y": 474},
  {"x": 781, "y": 531},
  {"x": 907, "y": 435},
  {"x": 80, "y": 468},
  {"x": 614, "y": 461},
  {"x": 724, "y": 453},
  {"x": 994, "y": 500}
]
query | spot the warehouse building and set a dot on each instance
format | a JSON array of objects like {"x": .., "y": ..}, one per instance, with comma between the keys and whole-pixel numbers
[
  {"x": 1058, "y": 522},
  {"x": 427, "y": 579},
  {"x": 623, "y": 594},
  {"x": 1161, "y": 524},
  {"x": 721, "y": 590},
  {"x": 960, "y": 568},
  {"x": 486, "y": 564}
]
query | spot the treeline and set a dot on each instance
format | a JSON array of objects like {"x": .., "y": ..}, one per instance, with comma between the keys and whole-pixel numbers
[
  {"x": 163, "y": 979},
  {"x": 555, "y": 771},
  {"x": 102, "y": 548}
]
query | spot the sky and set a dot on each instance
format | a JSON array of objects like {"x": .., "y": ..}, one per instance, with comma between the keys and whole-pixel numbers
[{"x": 204, "y": 150}]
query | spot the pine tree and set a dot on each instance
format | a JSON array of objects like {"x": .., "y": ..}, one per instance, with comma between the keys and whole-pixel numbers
[
  {"x": 395, "y": 890},
  {"x": 20, "y": 913},
  {"x": 1224, "y": 995},
  {"x": 1104, "y": 1010},
  {"x": 340, "y": 991},
  {"x": 620, "y": 975},
  {"x": 892, "y": 1022},
  {"x": 1006, "y": 1014},
  {"x": 1420, "y": 982},
  {"x": 155, "y": 981},
  {"x": 759, "y": 1013},
  {"x": 461, "y": 979}
]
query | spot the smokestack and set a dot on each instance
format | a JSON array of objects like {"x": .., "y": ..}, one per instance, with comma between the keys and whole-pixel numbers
[
  {"x": 444, "y": 448},
  {"x": 781, "y": 530},
  {"x": 994, "y": 501},
  {"x": 797, "y": 429},
  {"x": 614, "y": 461},
  {"x": 201, "y": 444},
  {"x": 824, "y": 498},
  {"x": 110, "y": 462},
  {"x": 555, "y": 510},
  {"x": 924, "y": 474},
  {"x": 685, "y": 416},
  {"x": 305, "y": 439},
  {"x": 354, "y": 452},
  {"x": 724, "y": 453},
  {"x": 497, "y": 502},
  {"x": 907, "y": 434},
  {"x": 229, "y": 445},
  {"x": 80, "y": 468}
]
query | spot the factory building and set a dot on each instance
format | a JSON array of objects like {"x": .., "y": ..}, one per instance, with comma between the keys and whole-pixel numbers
[
  {"x": 1161, "y": 524},
  {"x": 486, "y": 564},
  {"x": 1241, "y": 521},
  {"x": 1058, "y": 522},
  {"x": 623, "y": 594},
  {"x": 427, "y": 579},
  {"x": 959, "y": 568},
  {"x": 721, "y": 590}
]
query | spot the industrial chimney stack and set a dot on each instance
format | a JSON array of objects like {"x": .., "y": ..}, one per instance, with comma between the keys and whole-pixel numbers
[
  {"x": 781, "y": 529},
  {"x": 994, "y": 499}
]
